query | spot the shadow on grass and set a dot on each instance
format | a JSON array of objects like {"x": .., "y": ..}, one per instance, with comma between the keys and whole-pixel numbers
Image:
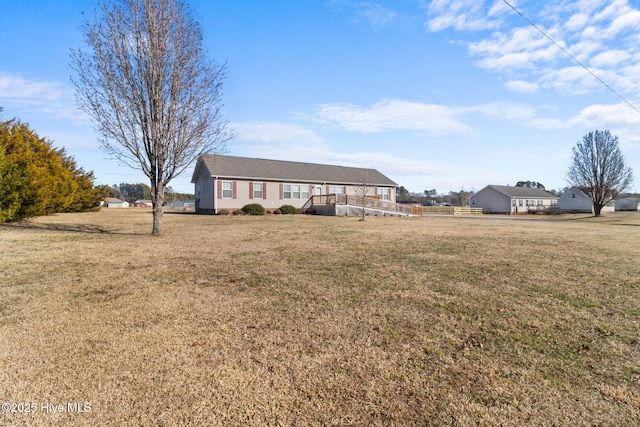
[
  {"x": 65, "y": 228},
  {"x": 179, "y": 213}
]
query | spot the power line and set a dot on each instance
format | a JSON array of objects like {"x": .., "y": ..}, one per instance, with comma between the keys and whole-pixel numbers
[{"x": 566, "y": 52}]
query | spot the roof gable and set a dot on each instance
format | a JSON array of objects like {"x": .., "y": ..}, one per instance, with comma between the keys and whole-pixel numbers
[{"x": 279, "y": 170}]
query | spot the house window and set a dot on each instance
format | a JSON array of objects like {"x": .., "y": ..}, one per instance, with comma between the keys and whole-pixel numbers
[
  {"x": 227, "y": 190},
  {"x": 336, "y": 189},
  {"x": 383, "y": 193},
  {"x": 520, "y": 202},
  {"x": 257, "y": 190},
  {"x": 573, "y": 195},
  {"x": 295, "y": 191}
]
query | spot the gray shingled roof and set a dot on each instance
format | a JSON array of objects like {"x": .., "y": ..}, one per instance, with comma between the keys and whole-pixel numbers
[
  {"x": 522, "y": 192},
  {"x": 279, "y": 170}
]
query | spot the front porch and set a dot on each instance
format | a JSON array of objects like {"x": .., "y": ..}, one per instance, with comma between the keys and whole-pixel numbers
[{"x": 350, "y": 205}]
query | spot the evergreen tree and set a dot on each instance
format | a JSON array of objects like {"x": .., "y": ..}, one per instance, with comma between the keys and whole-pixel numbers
[
  {"x": 11, "y": 183},
  {"x": 87, "y": 197},
  {"x": 34, "y": 177}
]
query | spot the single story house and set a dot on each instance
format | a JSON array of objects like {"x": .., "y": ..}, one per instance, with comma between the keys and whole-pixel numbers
[
  {"x": 229, "y": 182},
  {"x": 628, "y": 203},
  {"x": 142, "y": 204},
  {"x": 575, "y": 200},
  {"x": 504, "y": 199},
  {"x": 112, "y": 202}
]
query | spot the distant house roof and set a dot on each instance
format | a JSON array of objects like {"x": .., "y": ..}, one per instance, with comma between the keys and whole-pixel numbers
[
  {"x": 113, "y": 200},
  {"x": 522, "y": 192},
  {"x": 232, "y": 167}
]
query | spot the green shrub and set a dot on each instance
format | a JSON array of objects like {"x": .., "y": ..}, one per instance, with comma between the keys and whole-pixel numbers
[
  {"x": 288, "y": 209},
  {"x": 253, "y": 209}
]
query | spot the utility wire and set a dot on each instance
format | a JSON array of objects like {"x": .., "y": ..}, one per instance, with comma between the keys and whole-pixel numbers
[{"x": 572, "y": 57}]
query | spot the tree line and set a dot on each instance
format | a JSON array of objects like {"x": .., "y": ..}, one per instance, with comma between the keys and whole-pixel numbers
[
  {"x": 429, "y": 197},
  {"x": 141, "y": 191},
  {"x": 37, "y": 178}
]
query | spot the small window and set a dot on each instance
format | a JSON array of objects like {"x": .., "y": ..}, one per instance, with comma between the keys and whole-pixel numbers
[
  {"x": 227, "y": 190},
  {"x": 257, "y": 190},
  {"x": 573, "y": 195},
  {"x": 335, "y": 189}
]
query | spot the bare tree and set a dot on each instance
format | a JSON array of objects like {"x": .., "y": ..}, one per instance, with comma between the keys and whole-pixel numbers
[
  {"x": 598, "y": 169},
  {"x": 148, "y": 86},
  {"x": 364, "y": 193}
]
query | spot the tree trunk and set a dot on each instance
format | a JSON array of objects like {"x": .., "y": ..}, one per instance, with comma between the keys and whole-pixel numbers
[
  {"x": 597, "y": 209},
  {"x": 157, "y": 199}
]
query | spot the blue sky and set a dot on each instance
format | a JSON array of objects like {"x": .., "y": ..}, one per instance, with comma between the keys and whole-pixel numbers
[{"x": 444, "y": 94}]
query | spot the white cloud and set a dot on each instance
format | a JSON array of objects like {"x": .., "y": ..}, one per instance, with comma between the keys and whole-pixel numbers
[
  {"x": 517, "y": 113},
  {"x": 577, "y": 21},
  {"x": 463, "y": 15},
  {"x": 376, "y": 15},
  {"x": 599, "y": 33},
  {"x": 50, "y": 98},
  {"x": 521, "y": 86},
  {"x": 323, "y": 153},
  {"x": 392, "y": 115},
  {"x": 274, "y": 132},
  {"x": 610, "y": 58},
  {"x": 610, "y": 115},
  {"x": 429, "y": 119}
]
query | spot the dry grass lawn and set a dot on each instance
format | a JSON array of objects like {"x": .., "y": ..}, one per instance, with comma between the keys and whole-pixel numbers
[{"x": 306, "y": 320}]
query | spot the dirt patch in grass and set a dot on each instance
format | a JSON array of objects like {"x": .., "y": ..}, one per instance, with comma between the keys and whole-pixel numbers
[{"x": 305, "y": 320}]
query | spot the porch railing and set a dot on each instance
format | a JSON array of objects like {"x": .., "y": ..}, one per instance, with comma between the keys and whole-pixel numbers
[{"x": 368, "y": 202}]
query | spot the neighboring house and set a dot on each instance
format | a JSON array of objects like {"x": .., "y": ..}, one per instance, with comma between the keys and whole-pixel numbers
[
  {"x": 142, "y": 204},
  {"x": 504, "y": 199},
  {"x": 112, "y": 202},
  {"x": 230, "y": 182},
  {"x": 628, "y": 204},
  {"x": 575, "y": 200}
]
